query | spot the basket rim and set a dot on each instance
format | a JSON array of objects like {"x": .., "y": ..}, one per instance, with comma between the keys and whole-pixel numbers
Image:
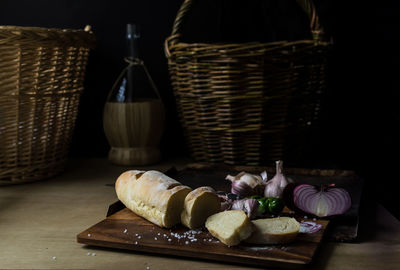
[
  {"x": 45, "y": 29},
  {"x": 11, "y": 34},
  {"x": 169, "y": 48}
]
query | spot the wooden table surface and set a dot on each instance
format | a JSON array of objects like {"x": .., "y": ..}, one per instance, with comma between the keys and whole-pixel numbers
[{"x": 39, "y": 223}]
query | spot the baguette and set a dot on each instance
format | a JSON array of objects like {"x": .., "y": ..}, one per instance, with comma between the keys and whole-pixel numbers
[
  {"x": 230, "y": 227},
  {"x": 199, "y": 205},
  {"x": 152, "y": 195},
  {"x": 274, "y": 230}
]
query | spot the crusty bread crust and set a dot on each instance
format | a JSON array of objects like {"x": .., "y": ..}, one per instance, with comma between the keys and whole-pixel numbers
[
  {"x": 152, "y": 195},
  {"x": 279, "y": 230},
  {"x": 199, "y": 204}
]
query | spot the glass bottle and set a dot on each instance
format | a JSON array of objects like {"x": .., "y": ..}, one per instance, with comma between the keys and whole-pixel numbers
[{"x": 134, "y": 115}]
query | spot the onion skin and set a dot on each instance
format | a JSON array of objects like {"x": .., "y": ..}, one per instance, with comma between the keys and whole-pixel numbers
[{"x": 321, "y": 201}]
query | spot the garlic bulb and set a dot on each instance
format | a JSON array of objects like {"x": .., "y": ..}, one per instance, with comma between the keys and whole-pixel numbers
[
  {"x": 249, "y": 206},
  {"x": 246, "y": 184},
  {"x": 275, "y": 186}
]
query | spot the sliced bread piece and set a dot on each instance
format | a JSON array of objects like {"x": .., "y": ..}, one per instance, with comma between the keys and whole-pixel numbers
[
  {"x": 230, "y": 227},
  {"x": 198, "y": 206},
  {"x": 274, "y": 230}
]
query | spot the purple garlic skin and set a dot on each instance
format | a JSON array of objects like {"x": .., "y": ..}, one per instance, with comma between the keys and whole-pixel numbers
[
  {"x": 246, "y": 184},
  {"x": 249, "y": 206},
  {"x": 275, "y": 186}
]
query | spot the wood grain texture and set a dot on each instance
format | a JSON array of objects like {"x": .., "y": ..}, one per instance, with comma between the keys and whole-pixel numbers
[{"x": 125, "y": 230}]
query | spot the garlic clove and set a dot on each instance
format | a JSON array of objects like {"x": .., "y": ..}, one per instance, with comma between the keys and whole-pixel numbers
[
  {"x": 241, "y": 188},
  {"x": 249, "y": 206},
  {"x": 255, "y": 182}
]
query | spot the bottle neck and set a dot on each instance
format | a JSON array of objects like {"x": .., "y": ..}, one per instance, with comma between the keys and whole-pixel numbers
[{"x": 132, "y": 38}]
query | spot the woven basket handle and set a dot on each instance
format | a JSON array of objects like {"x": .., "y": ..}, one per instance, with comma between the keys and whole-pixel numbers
[{"x": 307, "y": 5}]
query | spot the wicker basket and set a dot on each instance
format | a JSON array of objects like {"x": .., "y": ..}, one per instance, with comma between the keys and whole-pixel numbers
[
  {"x": 41, "y": 80},
  {"x": 248, "y": 103}
]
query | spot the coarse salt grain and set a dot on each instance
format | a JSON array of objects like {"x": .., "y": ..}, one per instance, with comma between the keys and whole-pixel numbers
[
  {"x": 126, "y": 230},
  {"x": 88, "y": 254},
  {"x": 135, "y": 242},
  {"x": 93, "y": 254},
  {"x": 305, "y": 217},
  {"x": 186, "y": 242},
  {"x": 169, "y": 240},
  {"x": 158, "y": 234},
  {"x": 139, "y": 237},
  {"x": 54, "y": 258},
  {"x": 155, "y": 238},
  {"x": 89, "y": 234}
]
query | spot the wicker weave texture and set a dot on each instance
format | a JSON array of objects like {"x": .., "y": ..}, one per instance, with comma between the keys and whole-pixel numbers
[
  {"x": 41, "y": 80},
  {"x": 246, "y": 103}
]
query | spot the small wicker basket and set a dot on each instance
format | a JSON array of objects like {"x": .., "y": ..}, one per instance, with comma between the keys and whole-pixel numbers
[
  {"x": 41, "y": 80},
  {"x": 248, "y": 103}
]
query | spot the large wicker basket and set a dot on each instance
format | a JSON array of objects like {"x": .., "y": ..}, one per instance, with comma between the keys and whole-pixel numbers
[
  {"x": 248, "y": 103},
  {"x": 41, "y": 80}
]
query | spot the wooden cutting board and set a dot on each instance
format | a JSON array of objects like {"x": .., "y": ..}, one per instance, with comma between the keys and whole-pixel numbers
[
  {"x": 125, "y": 230},
  {"x": 122, "y": 229}
]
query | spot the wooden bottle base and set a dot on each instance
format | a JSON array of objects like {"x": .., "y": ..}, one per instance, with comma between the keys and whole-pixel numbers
[{"x": 134, "y": 156}]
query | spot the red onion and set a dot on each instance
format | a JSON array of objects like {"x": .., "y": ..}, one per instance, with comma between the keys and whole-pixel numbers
[
  {"x": 322, "y": 202},
  {"x": 309, "y": 227}
]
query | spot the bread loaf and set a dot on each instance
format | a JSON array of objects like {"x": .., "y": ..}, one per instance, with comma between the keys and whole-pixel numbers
[
  {"x": 274, "y": 230},
  {"x": 199, "y": 205},
  {"x": 152, "y": 195},
  {"x": 230, "y": 227}
]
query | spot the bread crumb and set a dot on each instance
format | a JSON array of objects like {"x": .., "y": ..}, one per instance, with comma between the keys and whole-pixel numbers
[{"x": 93, "y": 254}]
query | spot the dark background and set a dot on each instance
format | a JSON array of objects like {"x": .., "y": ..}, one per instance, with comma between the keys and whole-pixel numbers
[{"x": 361, "y": 116}]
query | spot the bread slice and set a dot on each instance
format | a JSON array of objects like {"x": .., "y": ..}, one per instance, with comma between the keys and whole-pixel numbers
[
  {"x": 274, "y": 230},
  {"x": 153, "y": 196},
  {"x": 230, "y": 227},
  {"x": 198, "y": 206}
]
